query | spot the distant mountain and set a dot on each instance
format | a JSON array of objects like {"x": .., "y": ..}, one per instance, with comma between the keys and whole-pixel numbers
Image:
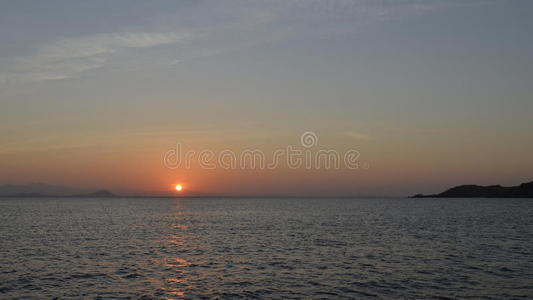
[
  {"x": 524, "y": 190},
  {"x": 97, "y": 194},
  {"x": 33, "y": 190},
  {"x": 41, "y": 189}
]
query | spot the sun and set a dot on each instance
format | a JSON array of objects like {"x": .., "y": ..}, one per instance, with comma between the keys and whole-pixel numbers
[{"x": 179, "y": 187}]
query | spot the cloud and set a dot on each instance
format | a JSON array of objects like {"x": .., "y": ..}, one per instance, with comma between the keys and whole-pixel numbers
[
  {"x": 64, "y": 58},
  {"x": 212, "y": 27},
  {"x": 58, "y": 142},
  {"x": 221, "y": 27}
]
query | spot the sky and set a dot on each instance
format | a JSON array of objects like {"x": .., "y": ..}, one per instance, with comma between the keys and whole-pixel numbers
[{"x": 429, "y": 93}]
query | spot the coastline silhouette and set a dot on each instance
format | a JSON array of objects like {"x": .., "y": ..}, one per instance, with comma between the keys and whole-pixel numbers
[{"x": 524, "y": 190}]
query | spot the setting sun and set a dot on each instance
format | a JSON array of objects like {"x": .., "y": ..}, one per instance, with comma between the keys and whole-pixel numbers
[{"x": 179, "y": 187}]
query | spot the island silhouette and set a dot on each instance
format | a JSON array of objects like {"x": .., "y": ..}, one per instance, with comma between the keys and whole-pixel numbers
[
  {"x": 43, "y": 190},
  {"x": 524, "y": 190},
  {"x": 37, "y": 190}
]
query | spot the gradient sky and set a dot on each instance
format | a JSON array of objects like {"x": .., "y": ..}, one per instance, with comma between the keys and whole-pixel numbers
[{"x": 431, "y": 93}]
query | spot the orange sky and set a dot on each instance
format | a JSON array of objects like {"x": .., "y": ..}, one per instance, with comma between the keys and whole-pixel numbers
[{"x": 430, "y": 95}]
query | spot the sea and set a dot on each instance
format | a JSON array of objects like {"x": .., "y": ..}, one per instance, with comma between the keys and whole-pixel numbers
[{"x": 265, "y": 248}]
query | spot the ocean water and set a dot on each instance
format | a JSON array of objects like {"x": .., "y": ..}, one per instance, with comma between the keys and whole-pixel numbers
[{"x": 266, "y": 248}]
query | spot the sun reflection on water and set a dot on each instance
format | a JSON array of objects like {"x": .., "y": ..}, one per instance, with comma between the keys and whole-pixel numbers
[
  {"x": 176, "y": 240},
  {"x": 177, "y": 263},
  {"x": 176, "y": 283}
]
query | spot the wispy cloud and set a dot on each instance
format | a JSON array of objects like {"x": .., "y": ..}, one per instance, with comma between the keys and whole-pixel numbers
[
  {"x": 64, "y": 58},
  {"x": 212, "y": 27},
  {"x": 224, "y": 26},
  {"x": 57, "y": 142},
  {"x": 357, "y": 135}
]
